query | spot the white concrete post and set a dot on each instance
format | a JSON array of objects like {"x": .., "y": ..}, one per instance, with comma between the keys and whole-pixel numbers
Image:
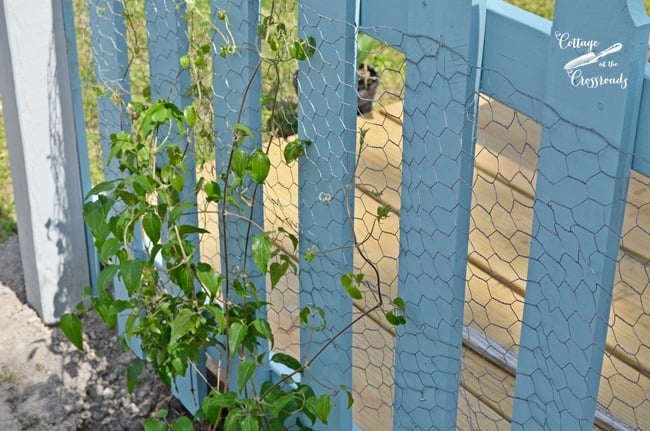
[{"x": 38, "y": 113}]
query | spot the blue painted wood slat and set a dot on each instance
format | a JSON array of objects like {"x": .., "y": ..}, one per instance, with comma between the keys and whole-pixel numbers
[
  {"x": 80, "y": 126},
  {"x": 514, "y": 57},
  {"x": 514, "y": 71},
  {"x": 327, "y": 117},
  {"x": 237, "y": 91},
  {"x": 583, "y": 172},
  {"x": 434, "y": 224},
  {"x": 167, "y": 41},
  {"x": 110, "y": 60},
  {"x": 641, "y": 160},
  {"x": 111, "y": 67}
]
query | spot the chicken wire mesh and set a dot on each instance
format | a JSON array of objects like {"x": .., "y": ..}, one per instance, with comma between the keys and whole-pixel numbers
[{"x": 501, "y": 211}]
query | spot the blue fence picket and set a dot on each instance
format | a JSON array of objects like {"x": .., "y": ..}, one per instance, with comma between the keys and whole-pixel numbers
[
  {"x": 111, "y": 67},
  {"x": 237, "y": 91},
  {"x": 167, "y": 41},
  {"x": 79, "y": 126},
  {"x": 583, "y": 173},
  {"x": 434, "y": 224},
  {"x": 110, "y": 61},
  {"x": 327, "y": 117}
]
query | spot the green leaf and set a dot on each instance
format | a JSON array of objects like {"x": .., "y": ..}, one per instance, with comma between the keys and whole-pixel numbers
[
  {"x": 141, "y": 185},
  {"x": 292, "y": 237},
  {"x": 395, "y": 319},
  {"x": 110, "y": 247},
  {"x": 241, "y": 132},
  {"x": 260, "y": 166},
  {"x": 157, "y": 114},
  {"x": 131, "y": 271},
  {"x": 365, "y": 45},
  {"x": 94, "y": 215},
  {"x": 233, "y": 421},
  {"x": 152, "y": 225},
  {"x": 208, "y": 278},
  {"x": 310, "y": 46},
  {"x": 218, "y": 314},
  {"x": 383, "y": 211},
  {"x": 276, "y": 271},
  {"x": 183, "y": 279},
  {"x": 188, "y": 229},
  {"x": 213, "y": 191},
  {"x": 239, "y": 162},
  {"x": 264, "y": 329},
  {"x": 250, "y": 424},
  {"x": 183, "y": 423},
  {"x": 103, "y": 306},
  {"x": 177, "y": 212},
  {"x": 350, "y": 398},
  {"x": 183, "y": 323},
  {"x": 295, "y": 149},
  {"x": 132, "y": 373},
  {"x": 179, "y": 365},
  {"x": 302, "y": 49},
  {"x": 190, "y": 115},
  {"x": 348, "y": 281},
  {"x": 154, "y": 425},
  {"x": 280, "y": 404},
  {"x": 210, "y": 408},
  {"x": 276, "y": 425},
  {"x": 130, "y": 325},
  {"x": 262, "y": 246},
  {"x": 263, "y": 28},
  {"x": 304, "y": 315},
  {"x": 284, "y": 359},
  {"x": 162, "y": 413},
  {"x": 313, "y": 318},
  {"x": 100, "y": 188},
  {"x": 323, "y": 408},
  {"x": 71, "y": 326},
  {"x": 236, "y": 336},
  {"x": 185, "y": 61},
  {"x": 246, "y": 371},
  {"x": 177, "y": 181},
  {"x": 215, "y": 401},
  {"x": 311, "y": 408}
]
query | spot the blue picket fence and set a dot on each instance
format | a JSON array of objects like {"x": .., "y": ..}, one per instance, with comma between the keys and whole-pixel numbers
[{"x": 592, "y": 137}]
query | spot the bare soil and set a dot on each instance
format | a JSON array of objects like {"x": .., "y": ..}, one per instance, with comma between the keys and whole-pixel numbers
[{"x": 47, "y": 384}]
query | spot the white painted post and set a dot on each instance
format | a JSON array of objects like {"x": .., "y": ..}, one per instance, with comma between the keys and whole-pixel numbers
[{"x": 37, "y": 102}]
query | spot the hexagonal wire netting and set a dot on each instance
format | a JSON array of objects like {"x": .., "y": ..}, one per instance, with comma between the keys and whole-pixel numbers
[{"x": 369, "y": 180}]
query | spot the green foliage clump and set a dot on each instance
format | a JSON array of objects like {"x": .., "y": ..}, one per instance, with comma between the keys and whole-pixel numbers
[{"x": 177, "y": 305}]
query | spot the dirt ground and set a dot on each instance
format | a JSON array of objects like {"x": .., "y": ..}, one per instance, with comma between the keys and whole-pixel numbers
[{"x": 46, "y": 384}]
